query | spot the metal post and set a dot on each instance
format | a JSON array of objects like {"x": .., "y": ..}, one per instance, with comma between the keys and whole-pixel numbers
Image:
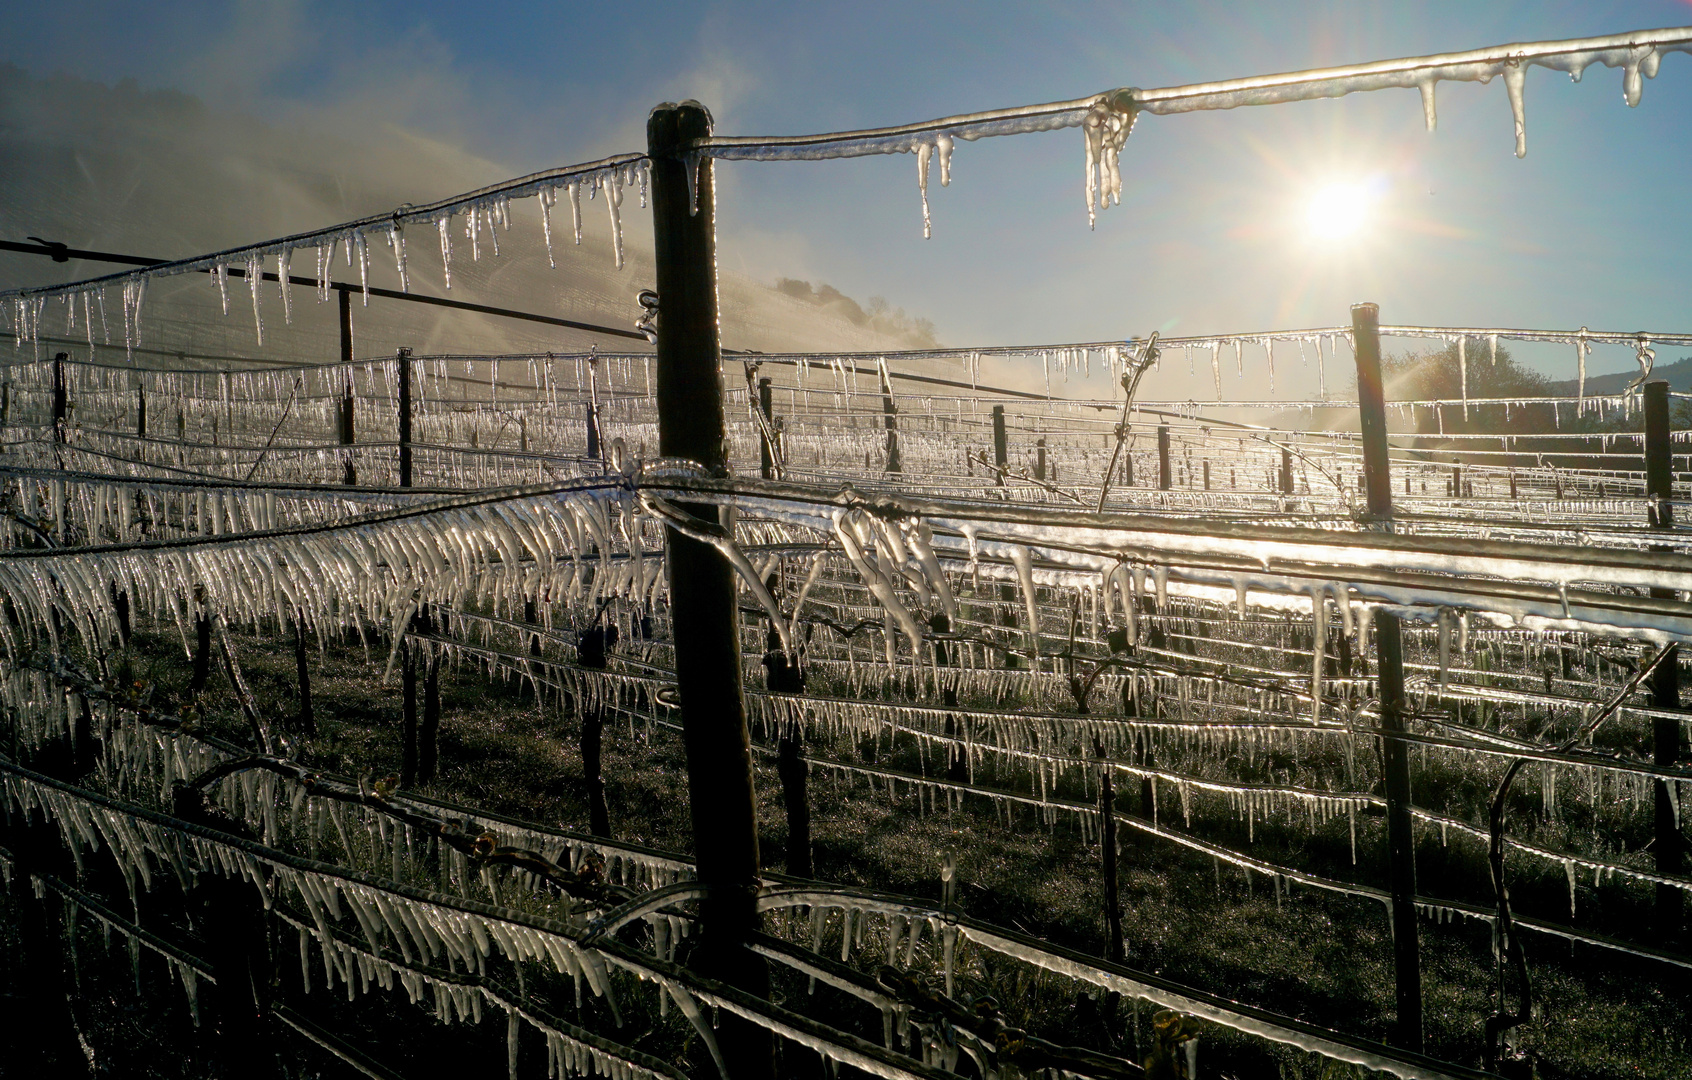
[
  {"x": 345, "y": 300},
  {"x": 766, "y": 452},
  {"x": 1665, "y": 681},
  {"x": 1389, "y": 647},
  {"x": 403, "y": 360},
  {"x": 1165, "y": 475},
  {"x": 1000, "y": 448},
  {"x": 704, "y": 611}
]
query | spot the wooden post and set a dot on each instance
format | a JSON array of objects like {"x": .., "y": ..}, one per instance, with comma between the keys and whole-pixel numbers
[
  {"x": 1039, "y": 459},
  {"x": 1207, "y": 474},
  {"x": 766, "y": 452},
  {"x": 1401, "y": 850},
  {"x": 344, "y": 298},
  {"x": 403, "y": 361},
  {"x": 889, "y": 416},
  {"x": 783, "y": 675},
  {"x": 202, "y": 643},
  {"x": 704, "y": 607},
  {"x": 61, "y": 398},
  {"x": 1165, "y": 475},
  {"x": 231, "y": 920},
  {"x": 593, "y": 451},
  {"x": 308, "y": 716},
  {"x": 408, "y": 710},
  {"x": 429, "y": 728},
  {"x": 1001, "y": 448},
  {"x": 592, "y": 647},
  {"x": 1107, "y": 845},
  {"x": 140, "y": 412},
  {"x": 1286, "y": 471},
  {"x": 1665, "y": 681}
]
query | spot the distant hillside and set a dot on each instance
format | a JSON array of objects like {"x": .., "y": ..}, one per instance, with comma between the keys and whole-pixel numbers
[{"x": 1678, "y": 374}]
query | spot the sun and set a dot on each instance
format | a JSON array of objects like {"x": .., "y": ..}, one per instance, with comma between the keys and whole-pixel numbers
[{"x": 1338, "y": 211}]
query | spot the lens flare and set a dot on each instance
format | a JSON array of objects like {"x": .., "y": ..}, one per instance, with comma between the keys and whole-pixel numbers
[{"x": 1338, "y": 211}]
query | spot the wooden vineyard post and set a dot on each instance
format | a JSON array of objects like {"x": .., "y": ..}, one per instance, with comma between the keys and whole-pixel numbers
[
  {"x": 1001, "y": 448},
  {"x": 350, "y": 475},
  {"x": 61, "y": 398},
  {"x": 1401, "y": 847},
  {"x": 408, "y": 650},
  {"x": 889, "y": 415},
  {"x": 703, "y": 602},
  {"x": 766, "y": 452},
  {"x": 1287, "y": 473},
  {"x": 783, "y": 675},
  {"x": 140, "y": 412},
  {"x": 592, "y": 647},
  {"x": 308, "y": 717},
  {"x": 408, "y": 707},
  {"x": 402, "y": 360},
  {"x": 1039, "y": 459},
  {"x": 1165, "y": 475},
  {"x": 1114, "y": 951},
  {"x": 1665, "y": 681},
  {"x": 429, "y": 727}
]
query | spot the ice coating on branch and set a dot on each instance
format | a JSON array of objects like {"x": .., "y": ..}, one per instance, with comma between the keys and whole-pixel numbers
[{"x": 1106, "y": 127}]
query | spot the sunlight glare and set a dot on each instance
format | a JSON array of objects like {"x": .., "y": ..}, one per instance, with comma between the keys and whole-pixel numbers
[{"x": 1338, "y": 211}]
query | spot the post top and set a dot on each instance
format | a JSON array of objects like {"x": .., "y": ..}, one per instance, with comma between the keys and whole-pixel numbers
[
  {"x": 673, "y": 125},
  {"x": 1366, "y": 308}
]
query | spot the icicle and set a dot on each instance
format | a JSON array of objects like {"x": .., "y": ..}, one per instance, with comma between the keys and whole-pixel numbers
[
  {"x": 284, "y": 270},
  {"x": 1581, "y": 349},
  {"x": 1515, "y": 72},
  {"x": 1319, "y": 647},
  {"x": 444, "y": 225},
  {"x": 1463, "y": 373},
  {"x": 1641, "y": 64},
  {"x": 922, "y": 152},
  {"x": 614, "y": 203},
  {"x": 396, "y": 244},
  {"x": 1428, "y": 114},
  {"x": 255, "y": 278},
  {"x": 1444, "y": 648}
]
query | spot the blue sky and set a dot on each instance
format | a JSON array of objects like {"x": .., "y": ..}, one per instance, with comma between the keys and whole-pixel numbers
[{"x": 1590, "y": 228}]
